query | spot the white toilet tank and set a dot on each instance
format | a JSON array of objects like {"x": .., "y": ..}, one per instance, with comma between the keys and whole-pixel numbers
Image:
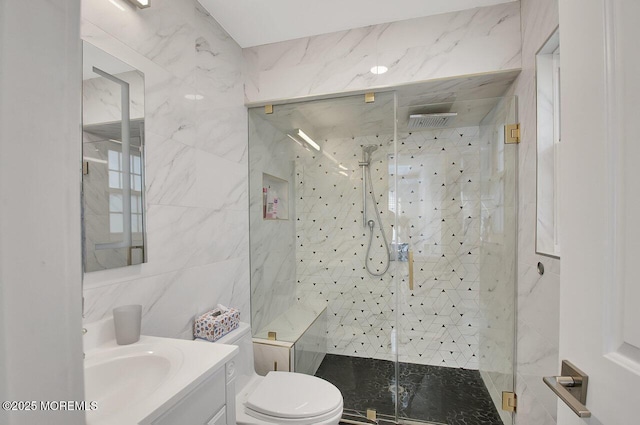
[{"x": 244, "y": 360}]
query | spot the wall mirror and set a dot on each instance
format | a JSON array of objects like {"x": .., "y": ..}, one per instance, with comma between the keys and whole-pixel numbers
[
  {"x": 112, "y": 162},
  {"x": 548, "y": 141}
]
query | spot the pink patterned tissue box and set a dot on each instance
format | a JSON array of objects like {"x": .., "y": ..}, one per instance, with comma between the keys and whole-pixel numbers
[{"x": 216, "y": 323}]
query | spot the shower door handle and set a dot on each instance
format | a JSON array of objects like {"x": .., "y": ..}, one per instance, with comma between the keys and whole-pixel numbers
[{"x": 410, "y": 270}]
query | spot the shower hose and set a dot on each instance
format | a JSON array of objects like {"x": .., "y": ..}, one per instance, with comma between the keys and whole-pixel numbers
[{"x": 371, "y": 225}]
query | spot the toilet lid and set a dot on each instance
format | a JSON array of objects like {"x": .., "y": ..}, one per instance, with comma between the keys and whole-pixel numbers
[{"x": 294, "y": 395}]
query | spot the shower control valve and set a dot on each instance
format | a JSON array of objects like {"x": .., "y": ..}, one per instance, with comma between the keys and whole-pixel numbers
[{"x": 401, "y": 250}]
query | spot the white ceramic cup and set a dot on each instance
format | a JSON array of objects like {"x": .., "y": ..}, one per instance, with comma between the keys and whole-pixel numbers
[{"x": 127, "y": 319}]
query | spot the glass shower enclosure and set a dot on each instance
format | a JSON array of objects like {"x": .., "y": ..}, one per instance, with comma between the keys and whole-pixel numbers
[{"x": 383, "y": 241}]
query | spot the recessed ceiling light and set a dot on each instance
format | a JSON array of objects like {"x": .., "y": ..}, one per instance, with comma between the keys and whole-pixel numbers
[
  {"x": 379, "y": 69},
  {"x": 194, "y": 96}
]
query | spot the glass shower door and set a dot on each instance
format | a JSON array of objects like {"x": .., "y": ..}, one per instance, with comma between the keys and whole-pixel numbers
[
  {"x": 455, "y": 207},
  {"x": 325, "y": 244},
  {"x": 429, "y": 335},
  {"x": 347, "y": 189}
]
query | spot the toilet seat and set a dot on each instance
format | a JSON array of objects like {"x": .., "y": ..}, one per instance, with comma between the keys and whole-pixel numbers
[
  {"x": 294, "y": 398},
  {"x": 328, "y": 418}
]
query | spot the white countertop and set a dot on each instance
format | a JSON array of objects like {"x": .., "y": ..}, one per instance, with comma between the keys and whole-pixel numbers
[{"x": 125, "y": 382}]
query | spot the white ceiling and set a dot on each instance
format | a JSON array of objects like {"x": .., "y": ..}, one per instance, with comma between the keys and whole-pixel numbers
[{"x": 256, "y": 22}]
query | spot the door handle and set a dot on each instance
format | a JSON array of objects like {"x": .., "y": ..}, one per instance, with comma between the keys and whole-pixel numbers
[{"x": 571, "y": 387}]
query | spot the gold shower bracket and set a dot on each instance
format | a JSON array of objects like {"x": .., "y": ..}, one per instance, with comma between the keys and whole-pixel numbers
[{"x": 512, "y": 133}]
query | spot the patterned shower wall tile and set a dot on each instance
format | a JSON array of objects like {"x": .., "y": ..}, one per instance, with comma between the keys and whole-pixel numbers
[{"x": 438, "y": 215}]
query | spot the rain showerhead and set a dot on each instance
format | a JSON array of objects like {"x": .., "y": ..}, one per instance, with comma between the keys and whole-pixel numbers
[{"x": 417, "y": 121}]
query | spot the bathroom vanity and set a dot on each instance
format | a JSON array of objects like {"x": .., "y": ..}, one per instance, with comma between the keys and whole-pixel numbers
[{"x": 158, "y": 381}]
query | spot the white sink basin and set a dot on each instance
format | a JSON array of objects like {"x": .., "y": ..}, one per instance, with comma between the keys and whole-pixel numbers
[
  {"x": 137, "y": 383},
  {"x": 121, "y": 376}
]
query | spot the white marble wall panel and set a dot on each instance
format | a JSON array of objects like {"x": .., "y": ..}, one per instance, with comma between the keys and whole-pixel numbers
[
  {"x": 538, "y": 305},
  {"x": 170, "y": 171},
  {"x": 218, "y": 77},
  {"x": 220, "y": 123},
  {"x": 221, "y": 184},
  {"x": 159, "y": 33},
  {"x": 165, "y": 296},
  {"x": 273, "y": 269},
  {"x": 169, "y": 114},
  {"x": 196, "y": 166},
  {"x": 473, "y": 41}
]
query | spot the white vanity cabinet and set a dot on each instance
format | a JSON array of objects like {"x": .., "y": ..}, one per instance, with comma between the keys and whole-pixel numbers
[{"x": 211, "y": 403}]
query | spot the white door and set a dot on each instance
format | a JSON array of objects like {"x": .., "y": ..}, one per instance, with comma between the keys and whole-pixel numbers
[{"x": 600, "y": 205}]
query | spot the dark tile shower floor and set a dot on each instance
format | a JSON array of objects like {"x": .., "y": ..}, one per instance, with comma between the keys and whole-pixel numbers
[{"x": 428, "y": 393}]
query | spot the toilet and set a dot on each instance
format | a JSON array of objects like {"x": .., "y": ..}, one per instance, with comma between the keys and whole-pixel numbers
[{"x": 280, "y": 397}]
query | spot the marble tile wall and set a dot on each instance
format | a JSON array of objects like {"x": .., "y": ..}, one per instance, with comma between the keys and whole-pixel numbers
[
  {"x": 538, "y": 305},
  {"x": 438, "y": 195},
  {"x": 273, "y": 267},
  {"x": 196, "y": 165},
  {"x": 473, "y": 41}
]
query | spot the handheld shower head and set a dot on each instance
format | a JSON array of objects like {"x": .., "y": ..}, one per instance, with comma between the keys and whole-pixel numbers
[
  {"x": 366, "y": 153},
  {"x": 369, "y": 148},
  {"x": 371, "y": 223}
]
